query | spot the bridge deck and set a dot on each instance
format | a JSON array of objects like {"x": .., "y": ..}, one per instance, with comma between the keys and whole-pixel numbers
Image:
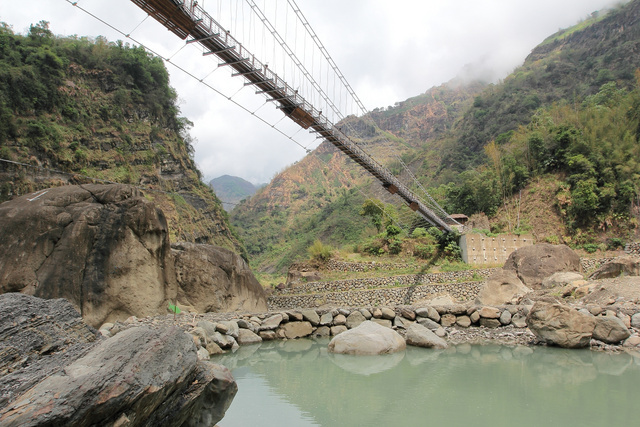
[{"x": 185, "y": 18}]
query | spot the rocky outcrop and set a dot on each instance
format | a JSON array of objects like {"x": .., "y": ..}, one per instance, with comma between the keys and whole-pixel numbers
[
  {"x": 535, "y": 263},
  {"x": 560, "y": 325},
  {"x": 610, "y": 329},
  {"x": 106, "y": 249},
  {"x": 501, "y": 288},
  {"x": 141, "y": 376},
  {"x": 369, "y": 338},
  {"x": 212, "y": 278},
  {"x": 624, "y": 265}
]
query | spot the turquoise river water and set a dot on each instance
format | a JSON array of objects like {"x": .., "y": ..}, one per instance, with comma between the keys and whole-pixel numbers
[{"x": 298, "y": 383}]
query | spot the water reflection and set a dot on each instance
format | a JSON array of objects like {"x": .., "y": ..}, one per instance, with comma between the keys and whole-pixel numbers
[{"x": 463, "y": 384}]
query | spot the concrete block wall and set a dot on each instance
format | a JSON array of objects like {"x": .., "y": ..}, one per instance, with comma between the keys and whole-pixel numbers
[{"x": 478, "y": 249}]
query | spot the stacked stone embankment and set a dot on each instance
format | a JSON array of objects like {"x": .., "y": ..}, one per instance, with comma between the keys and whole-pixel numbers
[
  {"x": 406, "y": 289},
  {"x": 632, "y": 248},
  {"x": 215, "y": 333}
]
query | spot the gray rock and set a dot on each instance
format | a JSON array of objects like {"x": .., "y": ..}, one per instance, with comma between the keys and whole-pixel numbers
[
  {"x": 339, "y": 320},
  {"x": 213, "y": 349},
  {"x": 560, "y": 325},
  {"x": 475, "y": 317},
  {"x": 268, "y": 335},
  {"x": 388, "y": 313},
  {"x": 294, "y": 316},
  {"x": 203, "y": 354},
  {"x": 519, "y": 321},
  {"x": 215, "y": 279},
  {"x": 376, "y": 313},
  {"x": 326, "y": 319},
  {"x": 428, "y": 323},
  {"x": 345, "y": 312},
  {"x": 490, "y": 323},
  {"x": 626, "y": 319},
  {"x": 366, "y": 313},
  {"x": 296, "y": 329},
  {"x": 232, "y": 327},
  {"x": 245, "y": 336},
  {"x": 561, "y": 279},
  {"x": 627, "y": 265},
  {"x": 489, "y": 312},
  {"x": 208, "y": 327},
  {"x": 141, "y": 372},
  {"x": 367, "y": 339},
  {"x": 635, "y": 321},
  {"x": 224, "y": 341},
  {"x": 501, "y": 288},
  {"x": 355, "y": 319},
  {"x": 245, "y": 324},
  {"x": 457, "y": 309},
  {"x": 418, "y": 335},
  {"x": 311, "y": 316},
  {"x": 441, "y": 332},
  {"x": 271, "y": 323},
  {"x": 610, "y": 329},
  {"x": 337, "y": 330},
  {"x": 322, "y": 331},
  {"x": 505, "y": 317},
  {"x": 463, "y": 321},
  {"x": 594, "y": 309},
  {"x": 408, "y": 313},
  {"x": 448, "y": 320},
  {"x": 382, "y": 322},
  {"x": 399, "y": 322}
]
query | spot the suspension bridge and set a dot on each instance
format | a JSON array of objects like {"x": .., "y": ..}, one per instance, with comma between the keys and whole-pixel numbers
[{"x": 191, "y": 22}]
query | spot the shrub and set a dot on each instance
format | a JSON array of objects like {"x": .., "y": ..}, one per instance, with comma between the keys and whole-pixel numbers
[
  {"x": 419, "y": 232},
  {"x": 424, "y": 251},
  {"x": 319, "y": 251},
  {"x": 395, "y": 246},
  {"x": 614, "y": 243},
  {"x": 590, "y": 247}
]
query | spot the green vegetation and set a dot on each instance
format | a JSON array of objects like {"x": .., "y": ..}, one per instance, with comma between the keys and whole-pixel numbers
[
  {"x": 95, "y": 109},
  {"x": 319, "y": 252}
]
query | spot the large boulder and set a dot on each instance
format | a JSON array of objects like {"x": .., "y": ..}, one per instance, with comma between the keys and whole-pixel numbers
[
  {"x": 534, "y": 263},
  {"x": 141, "y": 376},
  {"x": 624, "y": 265},
  {"x": 501, "y": 288},
  {"x": 215, "y": 279},
  {"x": 369, "y": 338},
  {"x": 105, "y": 248},
  {"x": 560, "y": 325}
]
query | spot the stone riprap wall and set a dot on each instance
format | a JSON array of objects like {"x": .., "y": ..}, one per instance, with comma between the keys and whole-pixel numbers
[
  {"x": 385, "y": 282},
  {"x": 590, "y": 264},
  {"x": 478, "y": 249},
  {"x": 385, "y": 296},
  {"x": 216, "y": 332},
  {"x": 361, "y": 267},
  {"x": 632, "y": 248}
]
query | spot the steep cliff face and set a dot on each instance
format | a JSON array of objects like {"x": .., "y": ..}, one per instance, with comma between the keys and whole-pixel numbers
[{"x": 83, "y": 111}]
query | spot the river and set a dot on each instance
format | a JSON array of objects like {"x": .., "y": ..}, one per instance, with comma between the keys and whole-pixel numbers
[{"x": 298, "y": 383}]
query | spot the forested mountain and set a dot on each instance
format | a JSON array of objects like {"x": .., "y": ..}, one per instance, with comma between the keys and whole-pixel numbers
[
  {"x": 232, "y": 189},
  {"x": 75, "y": 109},
  {"x": 563, "y": 128}
]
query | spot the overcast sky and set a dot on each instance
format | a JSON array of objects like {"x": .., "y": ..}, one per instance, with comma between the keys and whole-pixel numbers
[{"x": 387, "y": 50}]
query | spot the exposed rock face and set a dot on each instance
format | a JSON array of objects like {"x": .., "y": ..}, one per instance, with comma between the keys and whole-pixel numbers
[
  {"x": 141, "y": 376},
  {"x": 212, "y": 278},
  {"x": 105, "y": 248},
  {"x": 369, "y": 338},
  {"x": 624, "y": 265},
  {"x": 560, "y": 325},
  {"x": 501, "y": 288},
  {"x": 534, "y": 263}
]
